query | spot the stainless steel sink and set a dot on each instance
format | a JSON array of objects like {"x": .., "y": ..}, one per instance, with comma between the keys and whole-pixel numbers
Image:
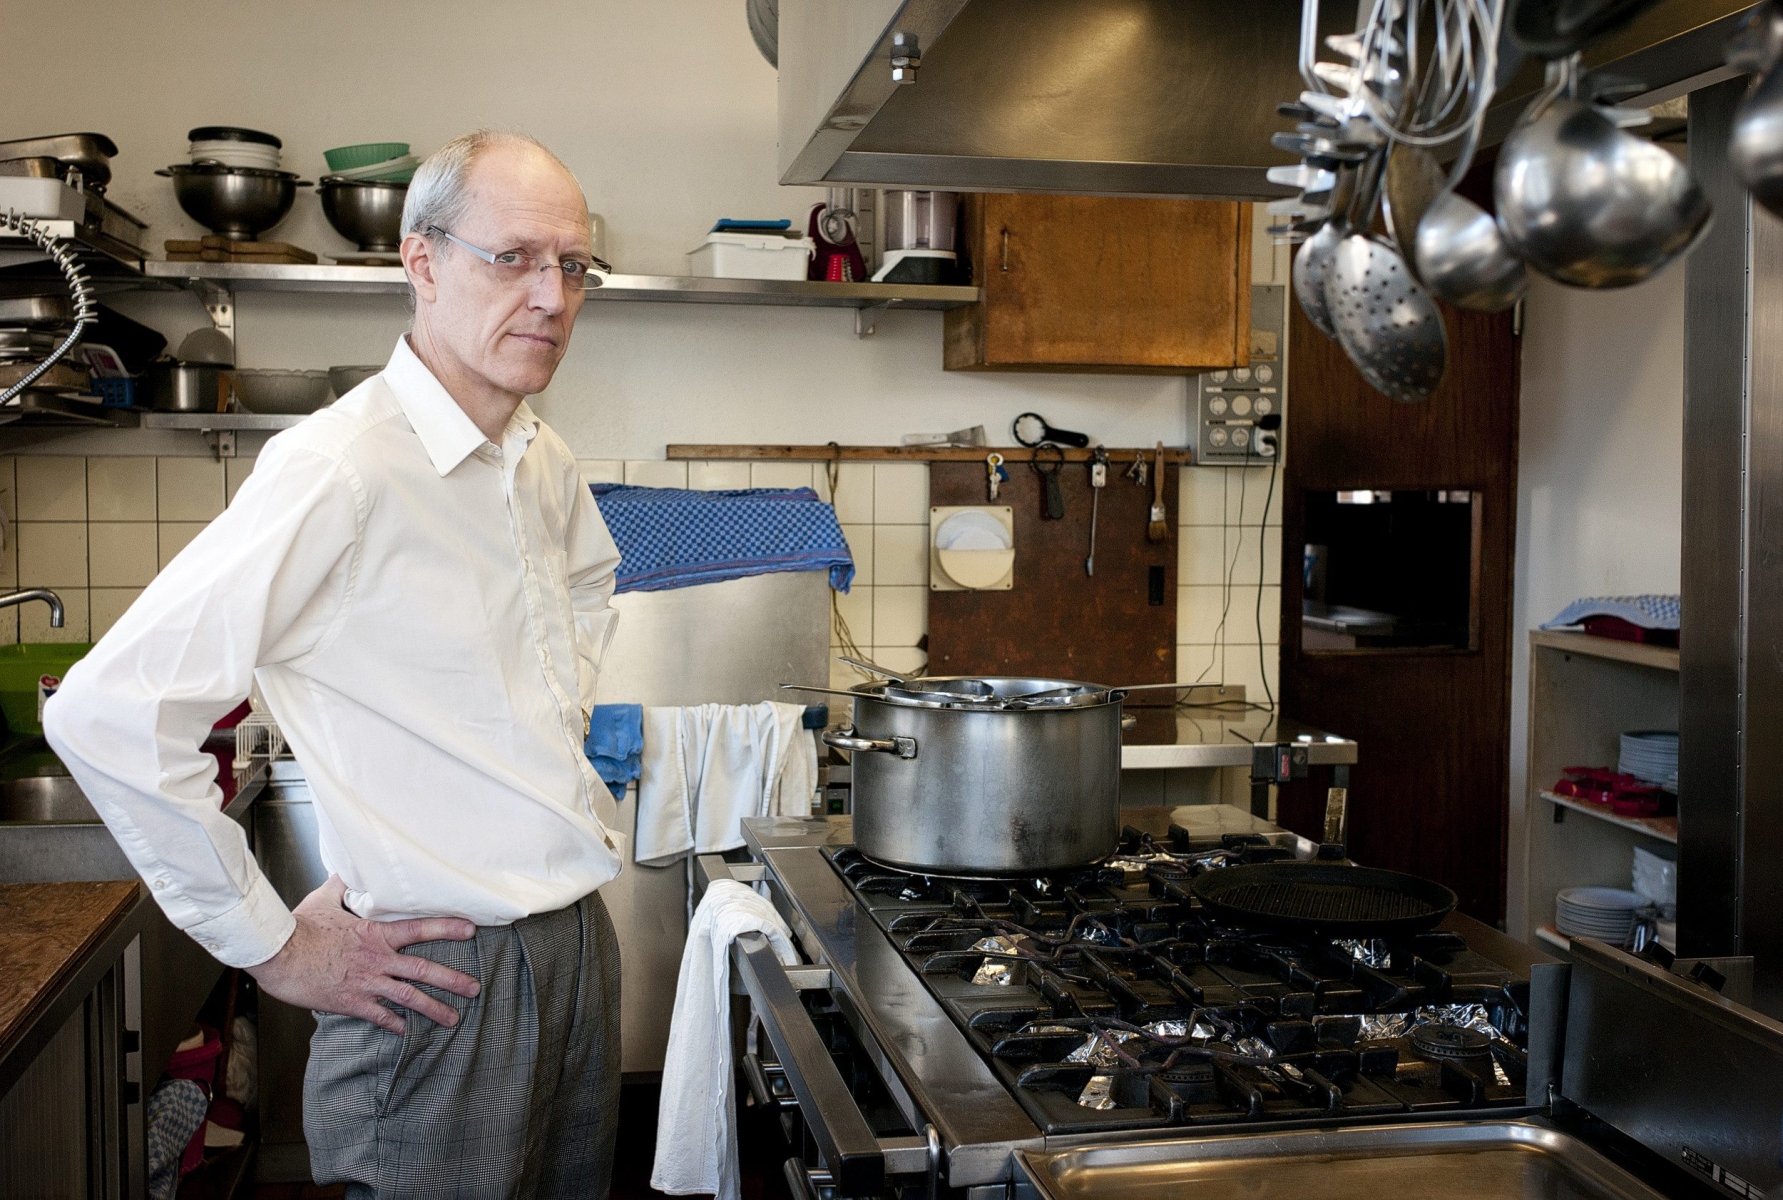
[
  {"x": 55, "y": 798},
  {"x": 36, "y": 787},
  {"x": 1472, "y": 1160}
]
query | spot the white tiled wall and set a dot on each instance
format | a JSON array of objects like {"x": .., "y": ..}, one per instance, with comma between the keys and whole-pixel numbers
[{"x": 98, "y": 529}]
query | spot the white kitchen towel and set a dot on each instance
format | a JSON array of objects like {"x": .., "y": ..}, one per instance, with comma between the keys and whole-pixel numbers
[
  {"x": 707, "y": 767},
  {"x": 696, "y": 1139}
]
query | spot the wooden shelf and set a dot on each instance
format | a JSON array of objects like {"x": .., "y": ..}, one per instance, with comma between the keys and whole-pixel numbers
[
  {"x": 1664, "y": 829},
  {"x": 1664, "y": 658},
  {"x": 1013, "y": 454}
]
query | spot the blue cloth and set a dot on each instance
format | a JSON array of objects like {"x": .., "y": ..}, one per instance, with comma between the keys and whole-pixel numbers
[
  {"x": 676, "y": 537},
  {"x": 1648, "y": 612},
  {"x": 615, "y": 744}
]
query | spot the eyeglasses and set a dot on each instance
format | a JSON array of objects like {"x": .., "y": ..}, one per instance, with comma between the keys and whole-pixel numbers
[{"x": 518, "y": 267}]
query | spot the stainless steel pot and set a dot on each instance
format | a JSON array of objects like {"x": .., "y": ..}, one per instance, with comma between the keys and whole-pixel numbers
[
  {"x": 968, "y": 790},
  {"x": 186, "y": 387}
]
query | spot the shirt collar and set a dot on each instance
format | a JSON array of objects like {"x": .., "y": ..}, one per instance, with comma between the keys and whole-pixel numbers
[{"x": 447, "y": 434}]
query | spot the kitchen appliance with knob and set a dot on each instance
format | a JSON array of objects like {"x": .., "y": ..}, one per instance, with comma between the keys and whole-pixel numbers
[{"x": 919, "y": 237}]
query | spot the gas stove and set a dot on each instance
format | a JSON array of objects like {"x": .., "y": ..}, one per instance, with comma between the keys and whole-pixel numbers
[
  {"x": 1106, "y": 998},
  {"x": 951, "y": 1026}
]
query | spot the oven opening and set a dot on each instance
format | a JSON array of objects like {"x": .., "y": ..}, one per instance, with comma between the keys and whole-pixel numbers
[{"x": 1391, "y": 571}]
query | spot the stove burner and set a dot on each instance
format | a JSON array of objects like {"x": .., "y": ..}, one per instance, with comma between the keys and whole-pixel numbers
[
  {"x": 1451, "y": 1041},
  {"x": 1109, "y": 998}
]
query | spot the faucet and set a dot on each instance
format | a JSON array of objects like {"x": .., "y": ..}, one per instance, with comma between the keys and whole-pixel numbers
[{"x": 44, "y": 594}]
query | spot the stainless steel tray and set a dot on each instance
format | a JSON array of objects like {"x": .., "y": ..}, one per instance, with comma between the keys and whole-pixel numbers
[{"x": 1485, "y": 1160}]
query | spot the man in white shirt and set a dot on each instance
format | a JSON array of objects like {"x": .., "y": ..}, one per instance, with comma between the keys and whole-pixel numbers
[{"x": 418, "y": 578}]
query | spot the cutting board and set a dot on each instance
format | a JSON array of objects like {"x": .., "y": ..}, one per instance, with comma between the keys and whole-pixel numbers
[{"x": 1057, "y": 621}]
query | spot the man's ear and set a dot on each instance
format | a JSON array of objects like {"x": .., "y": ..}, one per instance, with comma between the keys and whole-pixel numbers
[{"x": 417, "y": 260}]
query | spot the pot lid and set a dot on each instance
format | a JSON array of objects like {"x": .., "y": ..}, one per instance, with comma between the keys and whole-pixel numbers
[
  {"x": 232, "y": 133},
  {"x": 997, "y": 693}
]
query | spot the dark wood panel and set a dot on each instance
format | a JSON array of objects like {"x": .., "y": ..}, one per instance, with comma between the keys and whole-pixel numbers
[
  {"x": 1429, "y": 793},
  {"x": 1103, "y": 283},
  {"x": 1057, "y": 620}
]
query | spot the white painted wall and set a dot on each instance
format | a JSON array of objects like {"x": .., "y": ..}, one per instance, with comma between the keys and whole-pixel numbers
[
  {"x": 1600, "y": 470},
  {"x": 666, "y": 112}
]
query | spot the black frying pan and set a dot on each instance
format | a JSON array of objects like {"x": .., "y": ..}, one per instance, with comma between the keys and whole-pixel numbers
[
  {"x": 1556, "y": 28},
  {"x": 1324, "y": 898},
  {"x": 1329, "y": 897}
]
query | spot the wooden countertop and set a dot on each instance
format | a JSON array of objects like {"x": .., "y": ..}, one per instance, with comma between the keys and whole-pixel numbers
[{"x": 46, "y": 931}]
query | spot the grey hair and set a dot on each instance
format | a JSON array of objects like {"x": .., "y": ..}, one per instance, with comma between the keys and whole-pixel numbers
[{"x": 438, "y": 195}]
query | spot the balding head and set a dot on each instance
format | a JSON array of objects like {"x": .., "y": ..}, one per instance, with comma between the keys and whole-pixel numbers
[{"x": 491, "y": 326}]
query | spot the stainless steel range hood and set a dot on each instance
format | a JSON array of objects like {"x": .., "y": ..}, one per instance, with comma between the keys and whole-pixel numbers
[
  {"x": 1109, "y": 97},
  {"x": 1119, "y": 97}
]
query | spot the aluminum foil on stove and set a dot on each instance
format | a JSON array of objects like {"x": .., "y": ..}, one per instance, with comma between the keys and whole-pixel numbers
[
  {"x": 996, "y": 972},
  {"x": 1469, "y": 1016},
  {"x": 1378, "y": 1027},
  {"x": 1177, "y": 1029},
  {"x": 1098, "y": 1093},
  {"x": 1097, "y": 1051},
  {"x": 1254, "y": 1047},
  {"x": 1371, "y": 953}
]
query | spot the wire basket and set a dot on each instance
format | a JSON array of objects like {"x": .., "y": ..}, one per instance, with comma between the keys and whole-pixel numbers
[{"x": 258, "y": 736}]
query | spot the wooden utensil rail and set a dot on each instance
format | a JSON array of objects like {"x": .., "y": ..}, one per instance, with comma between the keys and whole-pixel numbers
[{"x": 826, "y": 453}]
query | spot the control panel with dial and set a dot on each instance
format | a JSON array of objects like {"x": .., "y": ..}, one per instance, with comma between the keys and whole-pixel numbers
[{"x": 1231, "y": 406}]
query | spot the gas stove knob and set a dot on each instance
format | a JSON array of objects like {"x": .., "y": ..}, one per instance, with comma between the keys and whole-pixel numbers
[
  {"x": 1217, "y": 406},
  {"x": 1218, "y": 377},
  {"x": 1241, "y": 375},
  {"x": 1217, "y": 435},
  {"x": 1264, "y": 406},
  {"x": 1241, "y": 437},
  {"x": 1265, "y": 373}
]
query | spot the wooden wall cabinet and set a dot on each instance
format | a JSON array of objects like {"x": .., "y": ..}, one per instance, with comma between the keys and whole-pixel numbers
[{"x": 1092, "y": 283}]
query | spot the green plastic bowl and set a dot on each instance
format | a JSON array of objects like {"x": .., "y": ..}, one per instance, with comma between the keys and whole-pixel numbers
[
  {"x": 21, "y": 667},
  {"x": 406, "y": 175},
  {"x": 345, "y": 158}
]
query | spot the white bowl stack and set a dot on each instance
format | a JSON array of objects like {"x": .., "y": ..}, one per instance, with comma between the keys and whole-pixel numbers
[
  {"x": 246, "y": 148},
  {"x": 1596, "y": 912},
  {"x": 1651, "y": 755}
]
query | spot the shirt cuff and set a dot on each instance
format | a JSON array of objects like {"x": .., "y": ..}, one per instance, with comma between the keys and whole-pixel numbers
[{"x": 251, "y": 932}]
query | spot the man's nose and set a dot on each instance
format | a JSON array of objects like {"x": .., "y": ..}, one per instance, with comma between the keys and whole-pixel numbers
[{"x": 550, "y": 291}]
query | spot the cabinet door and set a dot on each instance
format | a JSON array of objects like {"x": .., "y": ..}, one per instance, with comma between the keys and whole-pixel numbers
[{"x": 1102, "y": 284}]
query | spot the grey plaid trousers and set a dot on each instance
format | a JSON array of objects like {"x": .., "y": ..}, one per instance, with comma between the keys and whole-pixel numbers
[{"x": 520, "y": 1099}]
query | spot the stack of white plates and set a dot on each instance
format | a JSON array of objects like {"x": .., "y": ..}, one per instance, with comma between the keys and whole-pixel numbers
[
  {"x": 237, "y": 154},
  {"x": 1596, "y": 912},
  {"x": 1650, "y": 755},
  {"x": 234, "y": 147}
]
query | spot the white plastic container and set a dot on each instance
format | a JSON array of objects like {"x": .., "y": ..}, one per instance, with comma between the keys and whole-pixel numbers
[{"x": 751, "y": 256}]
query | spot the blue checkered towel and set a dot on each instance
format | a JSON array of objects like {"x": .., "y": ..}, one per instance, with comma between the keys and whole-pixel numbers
[
  {"x": 675, "y": 537},
  {"x": 1648, "y": 612}
]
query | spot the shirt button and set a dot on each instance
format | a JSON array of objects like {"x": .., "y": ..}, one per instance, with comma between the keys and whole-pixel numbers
[
  {"x": 159, "y": 884},
  {"x": 212, "y": 947}
]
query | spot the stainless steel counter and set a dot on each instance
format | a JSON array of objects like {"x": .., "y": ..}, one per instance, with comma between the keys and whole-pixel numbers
[{"x": 1211, "y": 737}]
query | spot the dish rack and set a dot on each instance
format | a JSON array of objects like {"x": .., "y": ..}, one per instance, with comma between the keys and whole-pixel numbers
[{"x": 257, "y": 736}]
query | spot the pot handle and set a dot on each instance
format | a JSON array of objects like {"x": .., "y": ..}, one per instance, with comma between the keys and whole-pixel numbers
[{"x": 847, "y": 739}]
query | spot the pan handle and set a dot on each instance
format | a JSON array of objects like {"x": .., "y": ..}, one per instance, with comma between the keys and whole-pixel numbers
[{"x": 847, "y": 739}]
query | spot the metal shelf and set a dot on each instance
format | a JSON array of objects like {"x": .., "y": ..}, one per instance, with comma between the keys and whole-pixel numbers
[
  {"x": 234, "y": 421},
  {"x": 684, "y": 289}
]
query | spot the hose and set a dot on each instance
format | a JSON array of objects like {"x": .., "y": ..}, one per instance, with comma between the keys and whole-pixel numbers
[{"x": 80, "y": 291}]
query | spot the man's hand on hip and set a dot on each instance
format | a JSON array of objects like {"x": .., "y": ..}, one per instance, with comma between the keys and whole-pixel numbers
[{"x": 340, "y": 963}]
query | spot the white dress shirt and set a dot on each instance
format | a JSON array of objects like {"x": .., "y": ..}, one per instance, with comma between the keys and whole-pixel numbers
[{"x": 425, "y": 613}]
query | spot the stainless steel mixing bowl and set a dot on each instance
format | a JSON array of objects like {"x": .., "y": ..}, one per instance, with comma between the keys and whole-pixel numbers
[
  {"x": 369, "y": 214},
  {"x": 238, "y": 202}
]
